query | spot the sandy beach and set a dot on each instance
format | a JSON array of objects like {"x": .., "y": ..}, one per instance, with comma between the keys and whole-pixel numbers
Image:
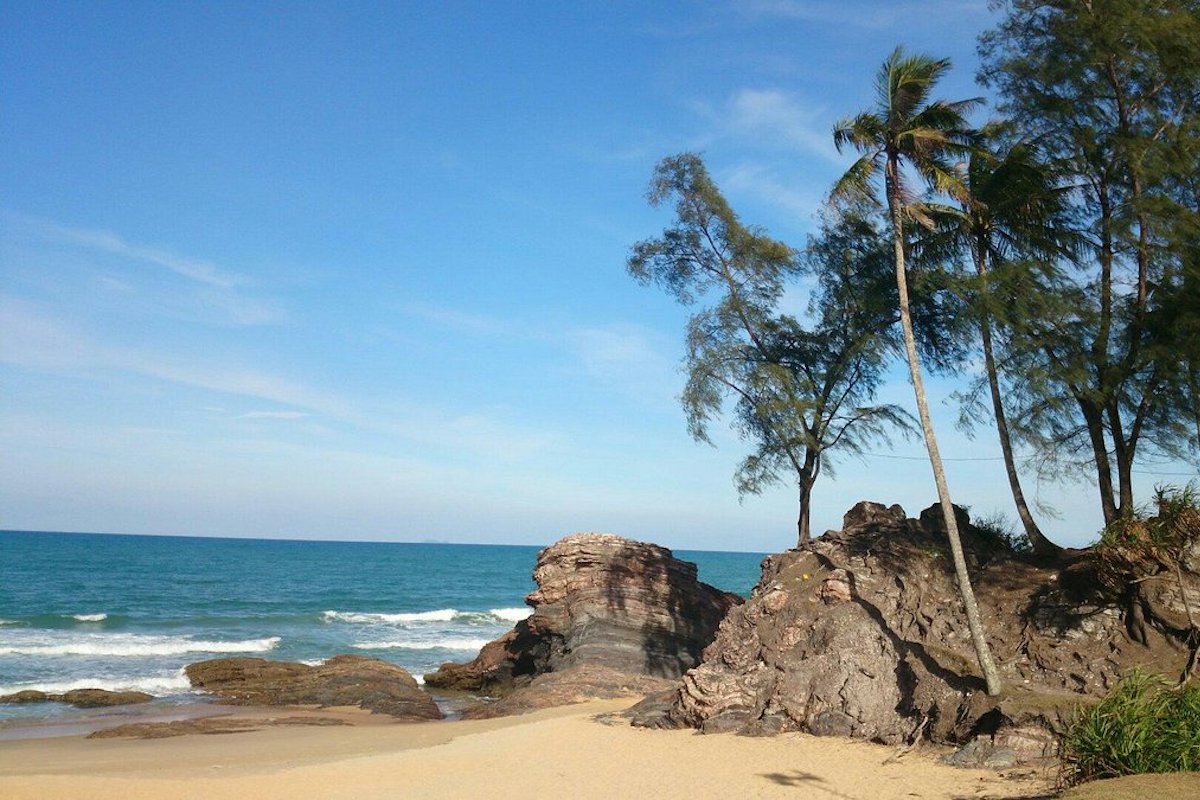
[{"x": 574, "y": 751}]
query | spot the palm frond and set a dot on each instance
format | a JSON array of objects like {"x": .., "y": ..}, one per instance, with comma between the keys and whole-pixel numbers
[
  {"x": 862, "y": 132},
  {"x": 855, "y": 184}
]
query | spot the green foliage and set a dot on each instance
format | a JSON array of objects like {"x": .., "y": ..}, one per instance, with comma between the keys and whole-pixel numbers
[
  {"x": 996, "y": 529},
  {"x": 1143, "y": 544},
  {"x": 799, "y": 391},
  {"x": 1143, "y": 725},
  {"x": 905, "y": 125},
  {"x": 1109, "y": 368}
]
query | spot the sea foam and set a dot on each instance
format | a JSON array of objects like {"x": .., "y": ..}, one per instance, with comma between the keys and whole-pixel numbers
[
  {"x": 511, "y": 614},
  {"x": 493, "y": 616},
  {"x": 474, "y": 645},
  {"x": 440, "y": 615},
  {"x": 150, "y": 684},
  {"x": 90, "y": 617},
  {"x": 131, "y": 645}
]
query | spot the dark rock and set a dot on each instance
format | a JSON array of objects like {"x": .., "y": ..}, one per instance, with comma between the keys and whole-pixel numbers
[
  {"x": 97, "y": 698},
  {"x": 861, "y": 633},
  {"x": 629, "y": 612},
  {"x": 80, "y": 698},
  {"x": 345, "y": 680},
  {"x": 206, "y": 726}
]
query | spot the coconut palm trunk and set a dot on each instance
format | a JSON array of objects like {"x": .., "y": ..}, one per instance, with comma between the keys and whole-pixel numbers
[
  {"x": 1041, "y": 545},
  {"x": 905, "y": 126},
  {"x": 974, "y": 622}
]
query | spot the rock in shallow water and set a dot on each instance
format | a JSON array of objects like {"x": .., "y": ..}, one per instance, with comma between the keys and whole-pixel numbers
[
  {"x": 345, "y": 680},
  {"x": 80, "y": 698}
]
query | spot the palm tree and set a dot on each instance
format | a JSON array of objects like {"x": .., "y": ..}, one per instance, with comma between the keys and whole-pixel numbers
[
  {"x": 906, "y": 128},
  {"x": 1008, "y": 209}
]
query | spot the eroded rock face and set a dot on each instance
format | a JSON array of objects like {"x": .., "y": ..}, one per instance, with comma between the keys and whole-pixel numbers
[
  {"x": 861, "y": 633},
  {"x": 345, "y": 680},
  {"x": 618, "y": 607}
]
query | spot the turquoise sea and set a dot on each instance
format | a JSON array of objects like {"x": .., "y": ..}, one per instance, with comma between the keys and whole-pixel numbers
[{"x": 129, "y": 612}]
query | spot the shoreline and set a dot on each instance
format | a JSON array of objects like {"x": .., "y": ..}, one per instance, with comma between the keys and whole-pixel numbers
[
  {"x": 66, "y": 722},
  {"x": 579, "y": 751}
]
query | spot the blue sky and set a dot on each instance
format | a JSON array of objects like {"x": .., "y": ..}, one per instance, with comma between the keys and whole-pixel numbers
[{"x": 356, "y": 270}]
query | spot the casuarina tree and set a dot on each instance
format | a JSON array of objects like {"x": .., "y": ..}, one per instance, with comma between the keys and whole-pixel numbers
[{"x": 799, "y": 391}]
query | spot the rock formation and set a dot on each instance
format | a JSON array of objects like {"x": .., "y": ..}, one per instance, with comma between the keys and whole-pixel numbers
[
  {"x": 609, "y": 615},
  {"x": 861, "y": 633},
  {"x": 208, "y": 726},
  {"x": 80, "y": 698},
  {"x": 346, "y": 680}
]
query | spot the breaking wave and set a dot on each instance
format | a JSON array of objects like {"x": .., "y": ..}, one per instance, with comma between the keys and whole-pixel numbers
[
  {"x": 157, "y": 685},
  {"x": 131, "y": 645},
  {"x": 428, "y": 644},
  {"x": 493, "y": 616}
]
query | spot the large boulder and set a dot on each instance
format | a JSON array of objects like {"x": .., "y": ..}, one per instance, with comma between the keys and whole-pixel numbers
[
  {"x": 346, "y": 680},
  {"x": 861, "y": 633},
  {"x": 618, "y": 607}
]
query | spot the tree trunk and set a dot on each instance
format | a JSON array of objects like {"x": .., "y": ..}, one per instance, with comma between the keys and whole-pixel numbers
[
  {"x": 1123, "y": 451},
  {"x": 806, "y": 478},
  {"x": 1194, "y": 390},
  {"x": 986, "y": 664},
  {"x": 1041, "y": 545},
  {"x": 803, "y": 525},
  {"x": 1094, "y": 421}
]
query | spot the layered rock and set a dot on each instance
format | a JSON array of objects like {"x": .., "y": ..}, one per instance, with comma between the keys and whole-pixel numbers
[
  {"x": 619, "y": 608},
  {"x": 80, "y": 698},
  {"x": 861, "y": 633},
  {"x": 345, "y": 680}
]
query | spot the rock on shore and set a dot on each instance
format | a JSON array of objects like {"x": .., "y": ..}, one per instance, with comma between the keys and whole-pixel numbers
[
  {"x": 345, "y": 680},
  {"x": 609, "y": 615},
  {"x": 861, "y": 633}
]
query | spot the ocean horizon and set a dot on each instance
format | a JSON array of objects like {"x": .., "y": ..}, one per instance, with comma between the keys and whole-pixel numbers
[{"x": 130, "y": 611}]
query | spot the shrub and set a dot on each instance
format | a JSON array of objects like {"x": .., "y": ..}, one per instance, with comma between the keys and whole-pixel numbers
[
  {"x": 1143, "y": 725},
  {"x": 996, "y": 529}
]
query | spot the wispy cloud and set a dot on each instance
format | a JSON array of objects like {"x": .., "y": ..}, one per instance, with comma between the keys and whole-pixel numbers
[
  {"x": 108, "y": 242},
  {"x": 859, "y": 14},
  {"x": 781, "y": 118},
  {"x": 460, "y": 321},
  {"x": 620, "y": 348},
  {"x": 281, "y": 415},
  {"x": 32, "y": 338},
  {"x": 175, "y": 285},
  {"x": 763, "y": 183}
]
